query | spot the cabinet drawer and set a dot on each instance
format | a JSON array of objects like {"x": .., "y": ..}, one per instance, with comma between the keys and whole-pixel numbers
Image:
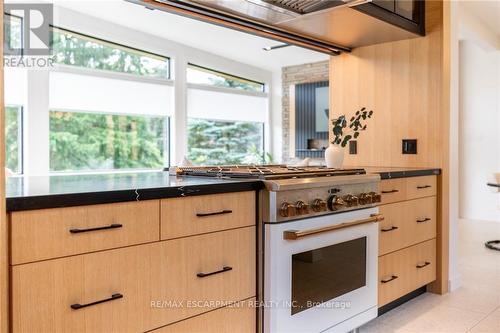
[
  {"x": 43, "y": 292},
  {"x": 405, "y": 270},
  {"x": 240, "y": 318},
  {"x": 393, "y": 190},
  {"x": 208, "y": 270},
  {"x": 407, "y": 223},
  {"x": 419, "y": 187},
  {"x": 50, "y": 233},
  {"x": 207, "y": 213}
]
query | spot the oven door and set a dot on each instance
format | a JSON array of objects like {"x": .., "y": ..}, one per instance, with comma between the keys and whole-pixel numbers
[{"x": 323, "y": 281}]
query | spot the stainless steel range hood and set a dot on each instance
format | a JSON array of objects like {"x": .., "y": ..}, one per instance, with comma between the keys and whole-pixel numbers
[{"x": 329, "y": 26}]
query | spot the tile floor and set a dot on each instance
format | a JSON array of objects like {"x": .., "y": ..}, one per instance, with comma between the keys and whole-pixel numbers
[{"x": 474, "y": 307}]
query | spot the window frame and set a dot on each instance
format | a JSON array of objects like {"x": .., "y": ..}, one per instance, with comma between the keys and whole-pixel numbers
[
  {"x": 8, "y": 51},
  {"x": 114, "y": 45},
  {"x": 191, "y": 65}
]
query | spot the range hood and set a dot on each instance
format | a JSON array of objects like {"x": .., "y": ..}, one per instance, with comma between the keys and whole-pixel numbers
[{"x": 329, "y": 26}]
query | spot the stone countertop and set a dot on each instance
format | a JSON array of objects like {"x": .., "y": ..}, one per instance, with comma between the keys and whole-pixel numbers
[
  {"x": 402, "y": 172},
  {"x": 27, "y": 193}
]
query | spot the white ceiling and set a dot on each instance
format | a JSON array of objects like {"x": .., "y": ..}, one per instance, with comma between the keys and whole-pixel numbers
[
  {"x": 488, "y": 11},
  {"x": 224, "y": 42}
]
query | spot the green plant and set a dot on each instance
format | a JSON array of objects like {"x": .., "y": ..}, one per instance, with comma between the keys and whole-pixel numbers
[{"x": 342, "y": 137}]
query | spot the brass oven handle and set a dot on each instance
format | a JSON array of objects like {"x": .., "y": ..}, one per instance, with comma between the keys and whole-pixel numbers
[{"x": 296, "y": 234}]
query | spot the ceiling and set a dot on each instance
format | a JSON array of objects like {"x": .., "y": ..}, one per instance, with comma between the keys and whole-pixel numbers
[
  {"x": 488, "y": 11},
  {"x": 221, "y": 41}
]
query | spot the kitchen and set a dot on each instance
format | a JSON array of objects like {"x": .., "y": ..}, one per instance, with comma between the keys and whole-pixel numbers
[{"x": 292, "y": 170}]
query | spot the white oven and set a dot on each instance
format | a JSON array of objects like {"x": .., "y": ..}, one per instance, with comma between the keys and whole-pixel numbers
[{"x": 320, "y": 273}]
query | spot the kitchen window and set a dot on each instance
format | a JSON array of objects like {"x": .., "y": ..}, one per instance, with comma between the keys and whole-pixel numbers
[
  {"x": 13, "y": 139},
  {"x": 93, "y": 141},
  {"x": 74, "y": 49},
  {"x": 202, "y": 75}
]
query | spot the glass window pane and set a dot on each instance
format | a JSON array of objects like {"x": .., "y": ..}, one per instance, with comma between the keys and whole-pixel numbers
[
  {"x": 93, "y": 141},
  {"x": 212, "y": 142},
  {"x": 13, "y": 139},
  {"x": 201, "y": 75},
  {"x": 78, "y": 50},
  {"x": 13, "y": 34}
]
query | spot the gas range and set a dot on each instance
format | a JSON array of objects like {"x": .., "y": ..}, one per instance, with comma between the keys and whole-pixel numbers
[{"x": 294, "y": 192}]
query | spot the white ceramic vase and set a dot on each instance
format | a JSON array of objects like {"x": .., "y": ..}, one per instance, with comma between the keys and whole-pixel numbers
[{"x": 334, "y": 156}]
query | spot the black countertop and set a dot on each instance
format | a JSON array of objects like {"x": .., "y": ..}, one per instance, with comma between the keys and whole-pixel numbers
[{"x": 26, "y": 193}]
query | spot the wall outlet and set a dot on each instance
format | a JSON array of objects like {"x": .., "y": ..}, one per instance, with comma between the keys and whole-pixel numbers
[
  {"x": 409, "y": 146},
  {"x": 353, "y": 147}
]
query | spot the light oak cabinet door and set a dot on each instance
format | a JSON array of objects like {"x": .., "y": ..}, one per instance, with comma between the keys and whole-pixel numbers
[
  {"x": 51, "y": 233},
  {"x": 238, "y": 318},
  {"x": 195, "y": 215},
  {"x": 419, "y": 187},
  {"x": 405, "y": 270},
  {"x": 204, "y": 272},
  {"x": 393, "y": 190},
  {"x": 43, "y": 293},
  {"x": 407, "y": 223}
]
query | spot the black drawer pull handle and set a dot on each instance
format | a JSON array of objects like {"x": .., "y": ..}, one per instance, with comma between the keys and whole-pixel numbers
[
  {"x": 112, "y": 298},
  {"x": 225, "y": 269},
  {"x": 394, "y": 277},
  {"x": 423, "y": 220},
  {"x": 422, "y": 187},
  {"x": 389, "y": 229},
  {"x": 112, "y": 226},
  {"x": 423, "y": 265},
  {"x": 225, "y": 211},
  {"x": 391, "y": 191}
]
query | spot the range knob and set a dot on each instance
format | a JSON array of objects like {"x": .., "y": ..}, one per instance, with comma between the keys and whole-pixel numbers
[
  {"x": 375, "y": 197},
  {"x": 351, "y": 200},
  {"x": 301, "y": 207},
  {"x": 335, "y": 202},
  {"x": 365, "y": 199},
  {"x": 319, "y": 205},
  {"x": 287, "y": 210}
]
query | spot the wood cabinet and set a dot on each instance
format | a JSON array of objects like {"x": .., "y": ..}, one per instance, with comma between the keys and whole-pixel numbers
[
  {"x": 407, "y": 236},
  {"x": 184, "y": 282},
  {"x": 51, "y": 233}
]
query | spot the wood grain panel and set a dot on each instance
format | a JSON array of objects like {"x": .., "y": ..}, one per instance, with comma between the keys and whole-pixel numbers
[
  {"x": 179, "y": 215},
  {"x": 393, "y": 190},
  {"x": 45, "y": 234},
  {"x": 42, "y": 292},
  {"x": 415, "y": 221},
  {"x": 182, "y": 259},
  {"x": 240, "y": 317},
  {"x": 419, "y": 187}
]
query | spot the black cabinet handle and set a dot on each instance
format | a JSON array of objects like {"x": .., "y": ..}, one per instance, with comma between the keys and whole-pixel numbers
[
  {"x": 112, "y": 298},
  {"x": 112, "y": 226},
  {"x": 391, "y": 191},
  {"x": 394, "y": 277},
  {"x": 493, "y": 185},
  {"x": 423, "y": 220},
  {"x": 423, "y": 265},
  {"x": 422, "y": 187},
  {"x": 389, "y": 229},
  {"x": 225, "y": 211},
  {"x": 225, "y": 269}
]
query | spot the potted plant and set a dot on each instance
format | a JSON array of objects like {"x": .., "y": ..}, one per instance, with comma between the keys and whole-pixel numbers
[{"x": 343, "y": 133}]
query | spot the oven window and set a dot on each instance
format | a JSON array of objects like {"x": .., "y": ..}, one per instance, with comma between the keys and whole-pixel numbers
[{"x": 323, "y": 274}]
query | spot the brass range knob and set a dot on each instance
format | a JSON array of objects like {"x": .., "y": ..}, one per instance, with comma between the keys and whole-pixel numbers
[
  {"x": 376, "y": 197},
  {"x": 335, "y": 202},
  {"x": 287, "y": 210},
  {"x": 365, "y": 199},
  {"x": 301, "y": 207},
  {"x": 319, "y": 205},
  {"x": 351, "y": 200}
]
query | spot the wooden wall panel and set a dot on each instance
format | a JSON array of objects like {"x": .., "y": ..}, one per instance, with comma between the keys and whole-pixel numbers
[
  {"x": 406, "y": 84},
  {"x": 401, "y": 82}
]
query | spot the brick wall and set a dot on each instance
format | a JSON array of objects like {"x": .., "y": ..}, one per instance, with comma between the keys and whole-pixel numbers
[{"x": 312, "y": 72}]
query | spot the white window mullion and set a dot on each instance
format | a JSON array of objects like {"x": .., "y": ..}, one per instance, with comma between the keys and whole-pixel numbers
[
  {"x": 36, "y": 124},
  {"x": 178, "y": 146}
]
